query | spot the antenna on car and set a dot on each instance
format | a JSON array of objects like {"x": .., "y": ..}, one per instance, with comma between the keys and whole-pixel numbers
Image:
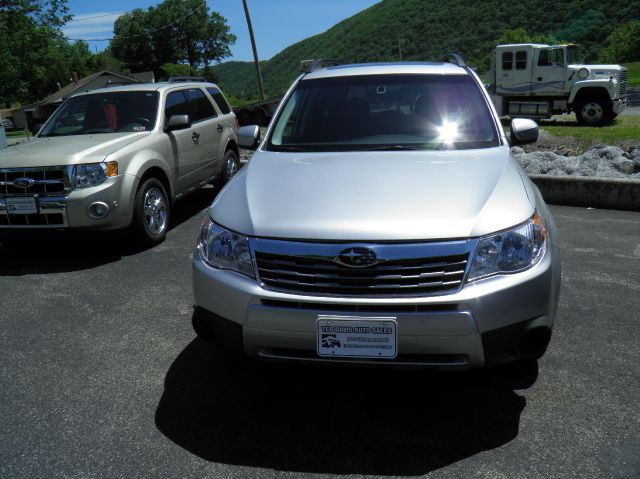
[
  {"x": 454, "y": 58},
  {"x": 186, "y": 79},
  {"x": 308, "y": 66}
]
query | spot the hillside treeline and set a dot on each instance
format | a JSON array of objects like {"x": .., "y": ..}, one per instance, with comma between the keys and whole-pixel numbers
[{"x": 426, "y": 29}]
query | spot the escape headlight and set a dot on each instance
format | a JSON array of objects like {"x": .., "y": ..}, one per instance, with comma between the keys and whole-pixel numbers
[
  {"x": 509, "y": 251},
  {"x": 94, "y": 174},
  {"x": 224, "y": 249}
]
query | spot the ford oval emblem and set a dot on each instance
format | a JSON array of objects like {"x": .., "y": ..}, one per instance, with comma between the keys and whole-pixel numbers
[
  {"x": 23, "y": 182},
  {"x": 357, "y": 257}
]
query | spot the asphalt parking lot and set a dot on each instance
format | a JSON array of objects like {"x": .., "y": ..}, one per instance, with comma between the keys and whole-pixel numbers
[{"x": 101, "y": 376}]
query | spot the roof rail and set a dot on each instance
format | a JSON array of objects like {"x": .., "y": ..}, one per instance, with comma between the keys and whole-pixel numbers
[
  {"x": 454, "y": 58},
  {"x": 308, "y": 66},
  {"x": 185, "y": 79}
]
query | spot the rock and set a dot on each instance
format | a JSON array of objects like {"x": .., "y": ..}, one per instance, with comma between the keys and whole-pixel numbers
[
  {"x": 516, "y": 150},
  {"x": 624, "y": 165},
  {"x": 599, "y": 161}
]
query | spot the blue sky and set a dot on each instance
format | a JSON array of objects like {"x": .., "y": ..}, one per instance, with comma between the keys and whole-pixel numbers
[{"x": 276, "y": 23}]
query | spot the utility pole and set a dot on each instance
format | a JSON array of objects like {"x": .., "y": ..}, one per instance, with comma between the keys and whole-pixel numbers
[{"x": 255, "y": 51}]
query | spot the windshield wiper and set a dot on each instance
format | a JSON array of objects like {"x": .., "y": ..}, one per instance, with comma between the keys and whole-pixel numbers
[
  {"x": 287, "y": 148},
  {"x": 396, "y": 147}
]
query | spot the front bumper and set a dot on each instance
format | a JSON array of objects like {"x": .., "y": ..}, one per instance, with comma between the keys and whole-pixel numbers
[
  {"x": 619, "y": 105},
  {"x": 71, "y": 210},
  {"x": 482, "y": 324}
]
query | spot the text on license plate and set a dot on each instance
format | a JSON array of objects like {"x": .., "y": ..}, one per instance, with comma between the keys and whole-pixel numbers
[
  {"x": 25, "y": 205},
  {"x": 345, "y": 336}
]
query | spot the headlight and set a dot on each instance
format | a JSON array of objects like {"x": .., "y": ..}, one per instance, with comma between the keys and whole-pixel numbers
[
  {"x": 94, "y": 174},
  {"x": 224, "y": 249},
  {"x": 510, "y": 251},
  {"x": 583, "y": 73}
]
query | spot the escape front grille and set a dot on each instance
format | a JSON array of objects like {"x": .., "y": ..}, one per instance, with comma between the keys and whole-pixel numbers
[
  {"x": 45, "y": 181},
  {"x": 406, "y": 277}
]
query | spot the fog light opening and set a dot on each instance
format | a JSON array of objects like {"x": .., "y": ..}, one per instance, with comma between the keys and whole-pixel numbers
[
  {"x": 534, "y": 341},
  {"x": 98, "y": 210},
  {"x": 203, "y": 329}
]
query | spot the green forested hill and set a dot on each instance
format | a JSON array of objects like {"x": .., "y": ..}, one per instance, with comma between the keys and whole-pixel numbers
[{"x": 427, "y": 29}]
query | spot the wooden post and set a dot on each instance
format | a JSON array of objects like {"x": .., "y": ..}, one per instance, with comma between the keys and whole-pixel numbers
[{"x": 255, "y": 51}]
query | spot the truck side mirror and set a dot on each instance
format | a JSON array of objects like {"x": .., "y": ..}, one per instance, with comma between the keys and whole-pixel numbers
[
  {"x": 249, "y": 136},
  {"x": 523, "y": 131}
]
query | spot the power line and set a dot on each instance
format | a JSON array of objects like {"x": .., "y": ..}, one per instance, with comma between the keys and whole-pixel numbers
[
  {"x": 204, "y": 4},
  {"x": 96, "y": 16}
]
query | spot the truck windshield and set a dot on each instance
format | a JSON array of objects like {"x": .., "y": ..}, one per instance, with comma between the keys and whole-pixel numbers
[
  {"x": 131, "y": 111},
  {"x": 384, "y": 112}
]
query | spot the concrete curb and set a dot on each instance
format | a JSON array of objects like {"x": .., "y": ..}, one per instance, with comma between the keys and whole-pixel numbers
[{"x": 610, "y": 193}]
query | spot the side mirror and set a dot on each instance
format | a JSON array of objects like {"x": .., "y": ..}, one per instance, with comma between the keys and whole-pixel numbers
[
  {"x": 178, "y": 122},
  {"x": 523, "y": 131},
  {"x": 249, "y": 136}
]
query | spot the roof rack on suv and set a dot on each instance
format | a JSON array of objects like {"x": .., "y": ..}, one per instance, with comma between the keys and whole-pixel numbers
[
  {"x": 454, "y": 58},
  {"x": 185, "y": 79},
  {"x": 308, "y": 66}
]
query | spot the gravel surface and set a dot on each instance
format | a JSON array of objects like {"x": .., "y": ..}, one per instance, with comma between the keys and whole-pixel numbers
[{"x": 599, "y": 161}]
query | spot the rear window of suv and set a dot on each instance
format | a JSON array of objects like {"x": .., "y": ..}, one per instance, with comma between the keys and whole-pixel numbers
[
  {"x": 393, "y": 111},
  {"x": 220, "y": 100}
]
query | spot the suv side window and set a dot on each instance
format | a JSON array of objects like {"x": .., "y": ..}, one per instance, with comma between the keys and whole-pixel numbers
[
  {"x": 199, "y": 105},
  {"x": 507, "y": 61},
  {"x": 175, "y": 104},
  {"x": 521, "y": 60},
  {"x": 220, "y": 100}
]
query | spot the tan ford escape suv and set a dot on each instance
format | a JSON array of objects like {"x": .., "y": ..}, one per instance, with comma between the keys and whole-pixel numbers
[{"x": 118, "y": 157}]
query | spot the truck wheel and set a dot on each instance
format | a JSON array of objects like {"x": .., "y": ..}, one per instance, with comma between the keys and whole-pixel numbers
[
  {"x": 230, "y": 167},
  {"x": 151, "y": 213},
  {"x": 594, "y": 111}
]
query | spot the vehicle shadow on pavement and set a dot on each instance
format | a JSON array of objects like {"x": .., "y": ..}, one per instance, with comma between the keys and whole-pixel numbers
[
  {"x": 45, "y": 252},
  {"x": 331, "y": 420}
]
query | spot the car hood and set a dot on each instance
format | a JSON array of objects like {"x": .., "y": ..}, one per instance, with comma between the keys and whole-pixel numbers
[
  {"x": 377, "y": 196},
  {"x": 65, "y": 150}
]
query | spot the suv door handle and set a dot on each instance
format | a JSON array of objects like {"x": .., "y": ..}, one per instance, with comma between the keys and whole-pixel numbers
[
  {"x": 219, "y": 128},
  {"x": 195, "y": 137}
]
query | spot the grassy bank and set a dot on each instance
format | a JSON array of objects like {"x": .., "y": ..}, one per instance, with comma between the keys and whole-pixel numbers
[
  {"x": 18, "y": 134},
  {"x": 624, "y": 128},
  {"x": 634, "y": 73}
]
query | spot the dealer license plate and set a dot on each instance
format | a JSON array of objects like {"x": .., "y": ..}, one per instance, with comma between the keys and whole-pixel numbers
[
  {"x": 22, "y": 205},
  {"x": 345, "y": 336}
]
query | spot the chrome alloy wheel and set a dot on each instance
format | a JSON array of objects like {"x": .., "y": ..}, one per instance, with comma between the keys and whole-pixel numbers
[
  {"x": 155, "y": 211},
  {"x": 231, "y": 167},
  {"x": 592, "y": 112}
]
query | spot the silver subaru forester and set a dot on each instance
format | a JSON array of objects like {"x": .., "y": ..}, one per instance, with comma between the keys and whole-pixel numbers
[{"x": 382, "y": 220}]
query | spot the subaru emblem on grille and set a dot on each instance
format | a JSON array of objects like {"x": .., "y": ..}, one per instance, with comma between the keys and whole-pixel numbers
[
  {"x": 357, "y": 257},
  {"x": 23, "y": 182}
]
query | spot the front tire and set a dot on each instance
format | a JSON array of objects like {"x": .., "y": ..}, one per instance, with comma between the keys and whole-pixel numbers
[
  {"x": 594, "y": 111},
  {"x": 151, "y": 213}
]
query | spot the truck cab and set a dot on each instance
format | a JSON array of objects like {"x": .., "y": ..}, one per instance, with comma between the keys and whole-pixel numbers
[{"x": 536, "y": 81}]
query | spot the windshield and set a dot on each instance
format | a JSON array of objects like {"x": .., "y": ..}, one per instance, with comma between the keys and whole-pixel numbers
[
  {"x": 130, "y": 111},
  {"x": 573, "y": 55},
  {"x": 384, "y": 112}
]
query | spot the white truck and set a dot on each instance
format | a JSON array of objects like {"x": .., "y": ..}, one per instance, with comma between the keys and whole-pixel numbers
[{"x": 531, "y": 80}]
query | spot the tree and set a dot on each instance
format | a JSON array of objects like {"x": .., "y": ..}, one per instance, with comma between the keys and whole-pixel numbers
[
  {"x": 173, "y": 32},
  {"x": 32, "y": 58},
  {"x": 623, "y": 45},
  {"x": 177, "y": 70},
  {"x": 131, "y": 43}
]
